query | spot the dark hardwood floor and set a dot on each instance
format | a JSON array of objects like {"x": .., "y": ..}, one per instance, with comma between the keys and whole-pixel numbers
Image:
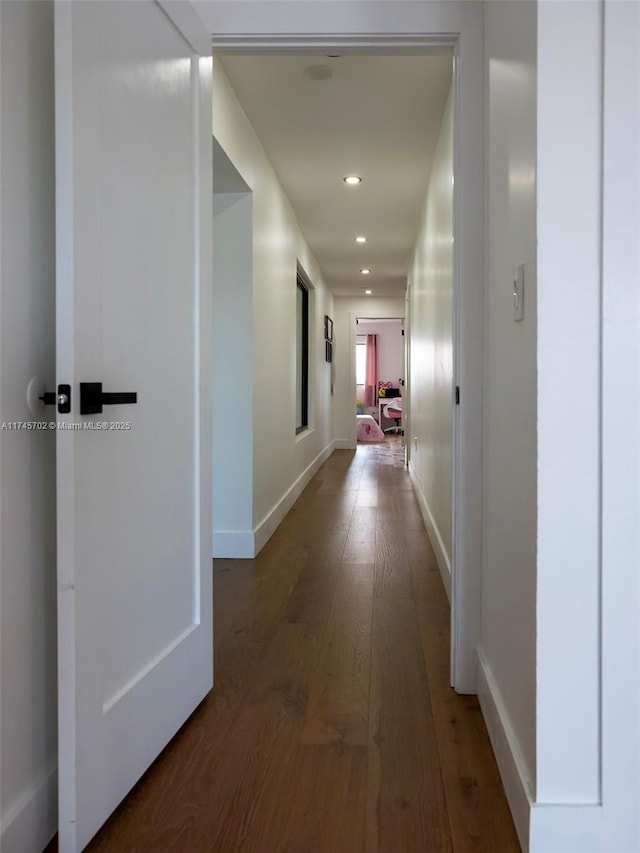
[{"x": 331, "y": 727}]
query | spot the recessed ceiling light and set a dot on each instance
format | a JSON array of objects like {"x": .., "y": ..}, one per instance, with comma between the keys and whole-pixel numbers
[
  {"x": 365, "y": 272},
  {"x": 352, "y": 179},
  {"x": 361, "y": 239},
  {"x": 368, "y": 292}
]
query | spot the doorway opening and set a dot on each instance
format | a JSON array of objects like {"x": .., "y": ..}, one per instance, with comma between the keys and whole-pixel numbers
[
  {"x": 380, "y": 365},
  {"x": 464, "y": 347}
]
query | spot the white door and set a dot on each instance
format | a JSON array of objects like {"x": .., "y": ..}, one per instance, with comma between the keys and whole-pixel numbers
[{"x": 133, "y": 166}]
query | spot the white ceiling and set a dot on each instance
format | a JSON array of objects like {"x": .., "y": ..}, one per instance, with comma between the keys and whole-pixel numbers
[{"x": 375, "y": 116}]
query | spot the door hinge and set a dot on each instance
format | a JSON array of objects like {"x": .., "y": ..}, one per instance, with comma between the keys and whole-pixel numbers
[{"x": 457, "y": 395}]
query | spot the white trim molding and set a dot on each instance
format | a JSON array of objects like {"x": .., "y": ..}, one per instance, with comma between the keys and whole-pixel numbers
[
  {"x": 437, "y": 542},
  {"x": 188, "y": 23},
  {"x": 233, "y": 544},
  {"x": 511, "y": 764},
  {"x": 588, "y": 602},
  {"x": 344, "y": 444},
  {"x": 32, "y": 822},
  {"x": 247, "y": 544},
  {"x": 269, "y": 524}
]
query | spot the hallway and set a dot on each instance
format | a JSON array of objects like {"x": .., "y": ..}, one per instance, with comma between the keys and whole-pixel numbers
[{"x": 331, "y": 726}]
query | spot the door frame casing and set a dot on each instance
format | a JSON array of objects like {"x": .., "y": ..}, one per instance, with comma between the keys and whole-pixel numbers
[{"x": 395, "y": 28}]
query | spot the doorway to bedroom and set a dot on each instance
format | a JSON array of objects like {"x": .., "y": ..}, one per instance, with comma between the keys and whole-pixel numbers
[{"x": 379, "y": 377}]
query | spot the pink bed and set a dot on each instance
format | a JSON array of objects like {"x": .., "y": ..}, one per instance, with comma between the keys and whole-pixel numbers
[{"x": 367, "y": 429}]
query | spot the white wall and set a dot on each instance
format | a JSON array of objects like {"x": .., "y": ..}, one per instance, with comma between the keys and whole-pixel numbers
[
  {"x": 508, "y": 639},
  {"x": 232, "y": 427},
  {"x": 28, "y": 735},
  {"x": 431, "y": 342},
  {"x": 588, "y": 602},
  {"x": 282, "y": 461},
  {"x": 347, "y": 309}
]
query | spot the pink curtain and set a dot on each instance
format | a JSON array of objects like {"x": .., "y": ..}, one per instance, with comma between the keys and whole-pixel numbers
[{"x": 371, "y": 372}]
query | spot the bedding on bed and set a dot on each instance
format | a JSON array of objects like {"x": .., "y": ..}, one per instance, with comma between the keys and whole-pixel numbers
[{"x": 367, "y": 429}]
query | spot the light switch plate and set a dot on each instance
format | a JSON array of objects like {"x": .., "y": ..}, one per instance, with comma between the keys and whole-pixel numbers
[{"x": 518, "y": 293}]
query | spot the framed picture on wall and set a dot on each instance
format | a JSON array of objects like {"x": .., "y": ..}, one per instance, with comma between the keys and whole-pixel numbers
[
  {"x": 328, "y": 328},
  {"x": 328, "y": 351}
]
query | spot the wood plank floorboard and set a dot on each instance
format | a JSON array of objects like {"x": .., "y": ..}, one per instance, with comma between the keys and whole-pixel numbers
[
  {"x": 355, "y": 580},
  {"x": 326, "y": 812},
  {"x": 389, "y": 502},
  {"x": 338, "y": 709},
  {"x": 331, "y": 727},
  {"x": 406, "y": 803},
  {"x": 361, "y": 541},
  {"x": 392, "y": 569},
  {"x": 478, "y": 812}
]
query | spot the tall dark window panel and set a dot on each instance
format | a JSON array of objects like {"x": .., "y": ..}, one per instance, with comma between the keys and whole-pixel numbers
[{"x": 302, "y": 356}]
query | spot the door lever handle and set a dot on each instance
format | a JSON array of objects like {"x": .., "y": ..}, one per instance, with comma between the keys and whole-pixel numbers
[
  {"x": 60, "y": 398},
  {"x": 93, "y": 398}
]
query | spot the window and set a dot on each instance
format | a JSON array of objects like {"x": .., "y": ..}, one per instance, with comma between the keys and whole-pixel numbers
[
  {"x": 302, "y": 356},
  {"x": 361, "y": 360}
]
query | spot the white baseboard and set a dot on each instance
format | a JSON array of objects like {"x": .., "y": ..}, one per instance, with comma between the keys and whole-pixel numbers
[
  {"x": 508, "y": 755},
  {"x": 344, "y": 444},
  {"x": 32, "y": 822},
  {"x": 439, "y": 548},
  {"x": 246, "y": 544},
  {"x": 267, "y": 527},
  {"x": 233, "y": 543}
]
